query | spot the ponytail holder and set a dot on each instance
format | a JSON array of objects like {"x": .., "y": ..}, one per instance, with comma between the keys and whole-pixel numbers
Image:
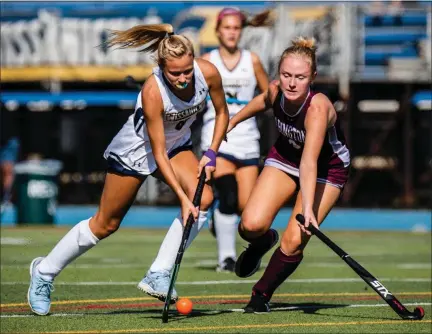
[
  {"x": 169, "y": 34},
  {"x": 212, "y": 156}
]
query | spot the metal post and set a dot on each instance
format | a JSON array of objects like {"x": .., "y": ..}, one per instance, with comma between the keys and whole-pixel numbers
[
  {"x": 345, "y": 45},
  {"x": 408, "y": 197}
]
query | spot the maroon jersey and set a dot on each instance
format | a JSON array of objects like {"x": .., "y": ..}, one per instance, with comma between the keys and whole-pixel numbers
[{"x": 334, "y": 158}]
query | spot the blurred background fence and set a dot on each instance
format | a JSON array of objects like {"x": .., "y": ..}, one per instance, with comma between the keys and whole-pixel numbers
[{"x": 64, "y": 97}]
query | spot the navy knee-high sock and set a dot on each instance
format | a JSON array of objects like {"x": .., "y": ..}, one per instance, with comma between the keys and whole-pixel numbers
[{"x": 280, "y": 267}]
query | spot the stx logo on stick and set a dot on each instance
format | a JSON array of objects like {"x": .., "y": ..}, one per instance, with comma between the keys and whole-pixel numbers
[{"x": 382, "y": 289}]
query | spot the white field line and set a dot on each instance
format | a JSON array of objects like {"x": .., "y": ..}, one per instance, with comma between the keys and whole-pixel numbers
[
  {"x": 293, "y": 307},
  {"x": 331, "y": 306},
  {"x": 14, "y": 241},
  {"x": 415, "y": 265},
  {"x": 115, "y": 264},
  {"x": 299, "y": 280}
]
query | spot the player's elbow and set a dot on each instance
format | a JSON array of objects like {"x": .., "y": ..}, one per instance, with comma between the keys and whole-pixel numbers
[
  {"x": 223, "y": 112},
  {"x": 160, "y": 157}
]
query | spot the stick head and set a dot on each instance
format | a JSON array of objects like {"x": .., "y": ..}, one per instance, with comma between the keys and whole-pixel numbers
[{"x": 419, "y": 313}]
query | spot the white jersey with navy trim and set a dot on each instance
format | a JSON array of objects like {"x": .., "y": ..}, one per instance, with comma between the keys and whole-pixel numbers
[
  {"x": 239, "y": 85},
  {"x": 131, "y": 146}
]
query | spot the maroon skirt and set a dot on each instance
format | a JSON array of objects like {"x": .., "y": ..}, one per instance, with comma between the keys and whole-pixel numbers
[{"x": 336, "y": 175}]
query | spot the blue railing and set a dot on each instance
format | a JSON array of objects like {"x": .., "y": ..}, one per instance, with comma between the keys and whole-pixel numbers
[{"x": 81, "y": 98}]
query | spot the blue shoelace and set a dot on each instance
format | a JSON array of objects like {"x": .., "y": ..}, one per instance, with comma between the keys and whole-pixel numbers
[{"x": 44, "y": 288}]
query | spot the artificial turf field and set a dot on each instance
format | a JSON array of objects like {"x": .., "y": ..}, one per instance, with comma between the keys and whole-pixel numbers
[{"x": 97, "y": 293}]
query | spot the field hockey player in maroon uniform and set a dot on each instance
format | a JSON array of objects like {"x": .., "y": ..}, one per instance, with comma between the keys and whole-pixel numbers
[{"x": 309, "y": 160}]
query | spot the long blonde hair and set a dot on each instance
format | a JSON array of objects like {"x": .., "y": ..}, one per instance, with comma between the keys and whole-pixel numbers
[
  {"x": 301, "y": 46},
  {"x": 155, "y": 37}
]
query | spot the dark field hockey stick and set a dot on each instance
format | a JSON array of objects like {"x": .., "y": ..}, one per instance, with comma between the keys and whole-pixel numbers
[
  {"x": 196, "y": 202},
  {"x": 380, "y": 289}
]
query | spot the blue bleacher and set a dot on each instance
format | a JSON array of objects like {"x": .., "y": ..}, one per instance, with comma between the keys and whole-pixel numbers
[
  {"x": 381, "y": 57},
  {"x": 422, "y": 99},
  {"x": 389, "y": 36},
  {"x": 386, "y": 38},
  {"x": 408, "y": 19}
]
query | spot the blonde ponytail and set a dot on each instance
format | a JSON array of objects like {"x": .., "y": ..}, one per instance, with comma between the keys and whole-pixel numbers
[
  {"x": 157, "y": 37},
  {"x": 138, "y": 36},
  {"x": 304, "y": 47},
  {"x": 301, "y": 42}
]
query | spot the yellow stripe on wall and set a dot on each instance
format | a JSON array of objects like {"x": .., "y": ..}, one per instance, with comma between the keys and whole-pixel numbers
[
  {"x": 207, "y": 35},
  {"x": 308, "y": 13},
  {"x": 74, "y": 73}
]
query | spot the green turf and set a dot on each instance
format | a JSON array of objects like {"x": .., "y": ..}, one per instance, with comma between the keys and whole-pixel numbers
[{"x": 124, "y": 258}]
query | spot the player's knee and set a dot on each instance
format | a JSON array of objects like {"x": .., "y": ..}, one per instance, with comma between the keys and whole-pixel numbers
[
  {"x": 292, "y": 244},
  {"x": 206, "y": 199},
  {"x": 103, "y": 226},
  {"x": 226, "y": 187},
  {"x": 250, "y": 225}
]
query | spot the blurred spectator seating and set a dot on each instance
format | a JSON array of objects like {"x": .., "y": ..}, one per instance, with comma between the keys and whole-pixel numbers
[{"x": 396, "y": 40}]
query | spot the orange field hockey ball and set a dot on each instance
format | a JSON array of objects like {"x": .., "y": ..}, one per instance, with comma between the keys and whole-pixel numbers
[{"x": 184, "y": 306}]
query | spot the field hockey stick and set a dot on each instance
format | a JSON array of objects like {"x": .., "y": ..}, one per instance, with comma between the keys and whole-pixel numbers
[
  {"x": 231, "y": 100},
  {"x": 132, "y": 83},
  {"x": 196, "y": 202},
  {"x": 380, "y": 289}
]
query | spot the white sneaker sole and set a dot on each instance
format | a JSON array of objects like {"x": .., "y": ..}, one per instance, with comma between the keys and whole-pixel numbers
[
  {"x": 28, "y": 291},
  {"x": 149, "y": 290}
]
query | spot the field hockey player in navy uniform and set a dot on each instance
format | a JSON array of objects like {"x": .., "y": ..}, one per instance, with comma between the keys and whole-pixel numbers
[
  {"x": 238, "y": 157},
  {"x": 155, "y": 140}
]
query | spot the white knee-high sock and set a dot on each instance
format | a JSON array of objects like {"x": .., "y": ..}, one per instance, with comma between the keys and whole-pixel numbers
[
  {"x": 226, "y": 230},
  {"x": 168, "y": 250},
  {"x": 75, "y": 243}
]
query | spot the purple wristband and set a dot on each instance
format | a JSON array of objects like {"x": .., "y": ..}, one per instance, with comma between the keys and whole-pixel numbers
[{"x": 212, "y": 155}]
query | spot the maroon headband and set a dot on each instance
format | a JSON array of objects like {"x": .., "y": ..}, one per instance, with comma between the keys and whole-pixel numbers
[{"x": 230, "y": 11}]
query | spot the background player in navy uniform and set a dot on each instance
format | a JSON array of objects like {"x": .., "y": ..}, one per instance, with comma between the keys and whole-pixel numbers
[
  {"x": 154, "y": 140},
  {"x": 238, "y": 158},
  {"x": 309, "y": 158}
]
